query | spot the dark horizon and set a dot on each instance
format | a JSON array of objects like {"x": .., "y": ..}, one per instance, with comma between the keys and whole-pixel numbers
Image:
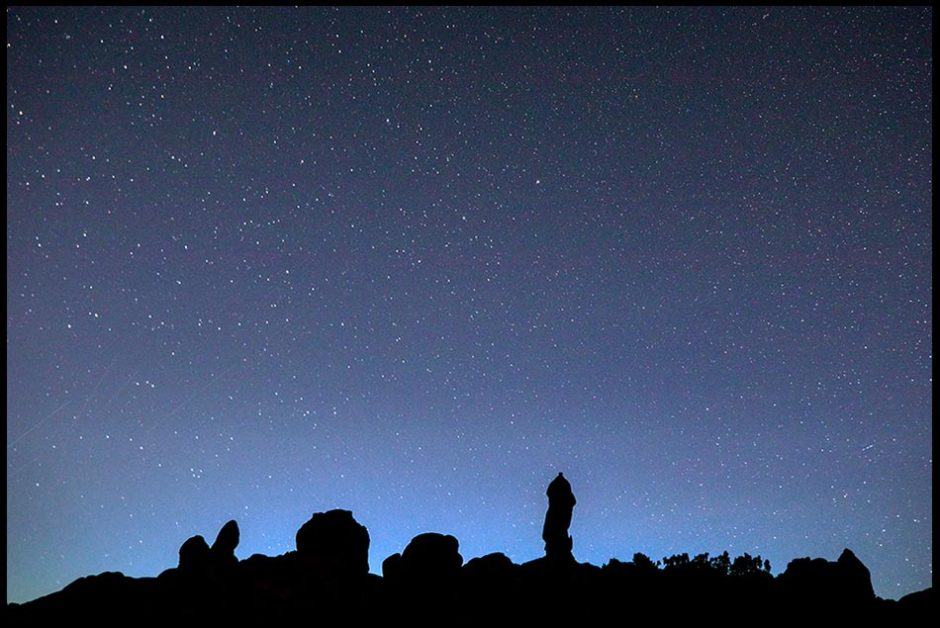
[
  {"x": 429, "y": 582},
  {"x": 410, "y": 262}
]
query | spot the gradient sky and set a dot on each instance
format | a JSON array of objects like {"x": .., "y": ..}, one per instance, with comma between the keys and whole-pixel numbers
[{"x": 413, "y": 262}]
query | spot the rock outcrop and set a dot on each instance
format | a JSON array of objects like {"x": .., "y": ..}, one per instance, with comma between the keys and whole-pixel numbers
[
  {"x": 843, "y": 583},
  {"x": 223, "y": 549},
  {"x": 194, "y": 554},
  {"x": 326, "y": 581},
  {"x": 334, "y": 542},
  {"x": 430, "y": 557}
]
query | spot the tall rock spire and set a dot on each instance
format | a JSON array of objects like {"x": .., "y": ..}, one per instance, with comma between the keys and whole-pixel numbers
[{"x": 561, "y": 503}]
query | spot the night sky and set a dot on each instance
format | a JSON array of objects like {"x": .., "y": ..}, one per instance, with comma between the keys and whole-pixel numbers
[{"x": 414, "y": 262}]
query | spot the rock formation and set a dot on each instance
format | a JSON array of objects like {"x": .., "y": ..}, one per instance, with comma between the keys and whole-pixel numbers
[
  {"x": 194, "y": 553},
  {"x": 223, "y": 549},
  {"x": 561, "y": 503},
  {"x": 334, "y": 542},
  {"x": 845, "y": 582},
  {"x": 326, "y": 582},
  {"x": 429, "y": 557}
]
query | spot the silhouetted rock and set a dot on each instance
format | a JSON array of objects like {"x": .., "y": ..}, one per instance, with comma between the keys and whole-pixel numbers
[
  {"x": 429, "y": 557},
  {"x": 392, "y": 567},
  {"x": 561, "y": 503},
  {"x": 856, "y": 578},
  {"x": 489, "y": 588},
  {"x": 326, "y": 582},
  {"x": 432, "y": 554},
  {"x": 227, "y": 539},
  {"x": 492, "y": 566},
  {"x": 422, "y": 582},
  {"x": 917, "y": 605},
  {"x": 490, "y": 574},
  {"x": 194, "y": 553},
  {"x": 334, "y": 542},
  {"x": 825, "y": 585}
]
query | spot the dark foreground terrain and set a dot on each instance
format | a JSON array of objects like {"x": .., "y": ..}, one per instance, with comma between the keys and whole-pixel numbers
[{"x": 326, "y": 581}]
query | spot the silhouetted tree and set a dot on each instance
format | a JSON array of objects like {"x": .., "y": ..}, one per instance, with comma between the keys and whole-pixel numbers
[
  {"x": 747, "y": 565},
  {"x": 644, "y": 563},
  {"x": 676, "y": 561},
  {"x": 722, "y": 563}
]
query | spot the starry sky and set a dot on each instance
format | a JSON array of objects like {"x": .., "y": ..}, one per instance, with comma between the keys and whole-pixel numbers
[{"x": 263, "y": 262}]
